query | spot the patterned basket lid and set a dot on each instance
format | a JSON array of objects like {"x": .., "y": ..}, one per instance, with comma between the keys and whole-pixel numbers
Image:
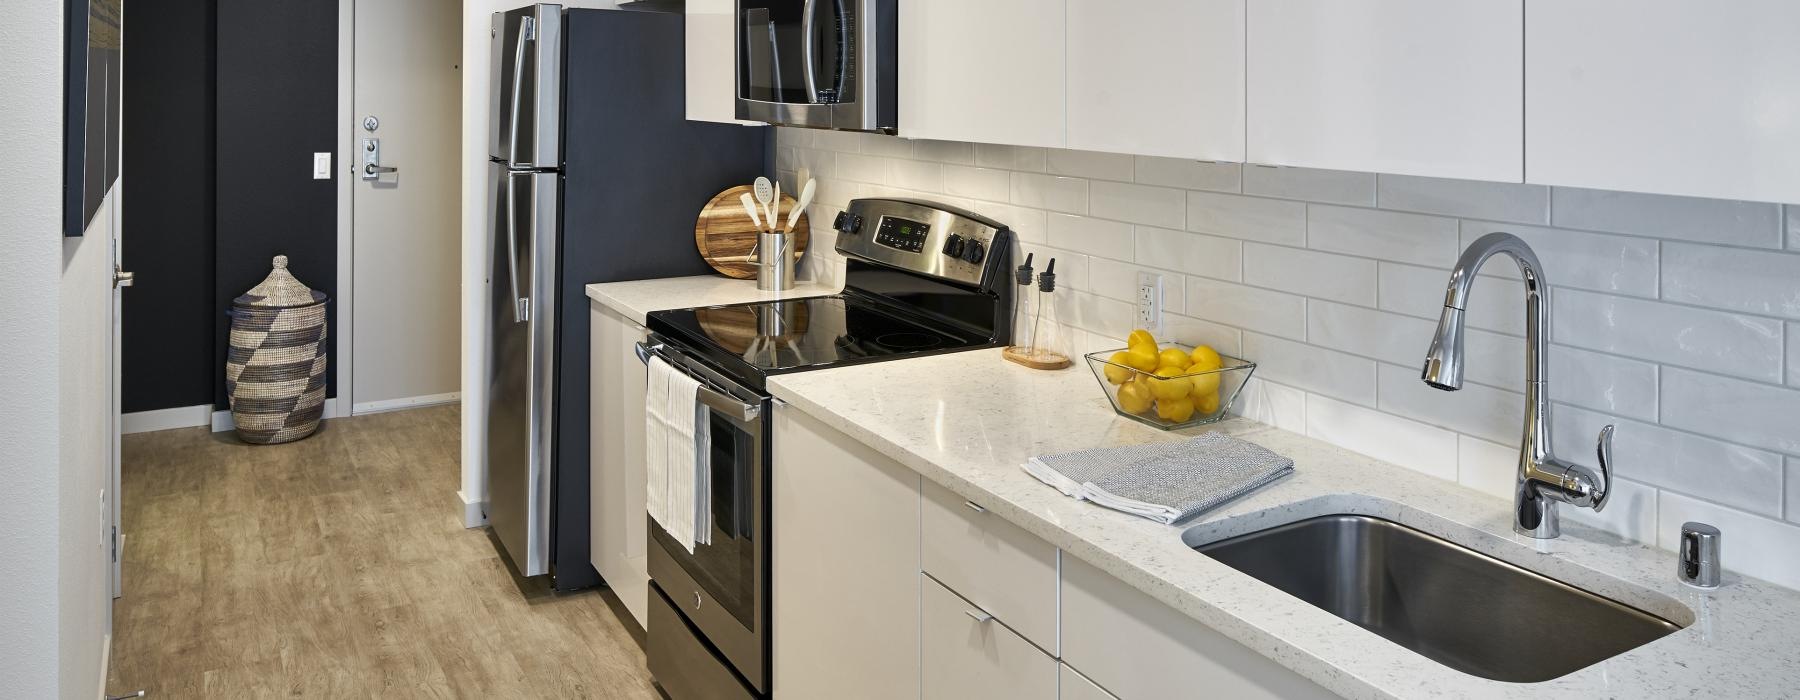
[{"x": 279, "y": 290}]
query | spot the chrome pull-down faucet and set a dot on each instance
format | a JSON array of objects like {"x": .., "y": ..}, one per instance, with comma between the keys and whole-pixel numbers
[{"x": 1543, "y": 480}]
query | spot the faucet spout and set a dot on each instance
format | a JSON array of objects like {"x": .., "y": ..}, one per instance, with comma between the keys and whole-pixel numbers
[{"x": 1543, "y": 480}]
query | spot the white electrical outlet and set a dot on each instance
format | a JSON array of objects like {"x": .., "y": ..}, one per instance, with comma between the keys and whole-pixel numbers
[{"x": 1149, "y": 301}]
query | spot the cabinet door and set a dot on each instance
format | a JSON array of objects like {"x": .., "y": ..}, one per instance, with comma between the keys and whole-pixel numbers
[
  {"x": 711, "y": 61},
  {"x": 1157, "y": 77},
  {"x": 1074, "y": 686},
  {"x": 1415, "y": 87},
  {"x": 616, "y": 394},
  {"x": 995, "y": 564},
  {"x": 984, "y": 71},
  {"x": 1667, "y": 96},
  {"x": 969, "y": 654},
  {"x": 1138, "y": 647},
  {"x": 845, "y": 522}
]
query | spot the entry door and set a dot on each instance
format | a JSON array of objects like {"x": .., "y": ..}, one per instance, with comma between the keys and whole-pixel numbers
[{"x": 406, "y": 286}]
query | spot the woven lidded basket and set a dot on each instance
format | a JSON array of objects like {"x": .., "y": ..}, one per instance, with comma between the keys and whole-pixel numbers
[{"x": 275, "y": 370}]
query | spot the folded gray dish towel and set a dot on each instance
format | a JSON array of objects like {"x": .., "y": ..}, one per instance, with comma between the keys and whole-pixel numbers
[{"x": 1163, "y": 481}]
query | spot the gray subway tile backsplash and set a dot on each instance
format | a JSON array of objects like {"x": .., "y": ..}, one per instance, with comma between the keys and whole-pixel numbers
[
  {"x": 1384, "y": 235},
  {"x": 1715, "y": 341},
  {"x": 1249, "y": 218},
  {"x": 1682, "y": 218},
  {"x": 1601, "y": 262},
  {"x": 1335, "y": 186},
  {"x": 1469, "y": 199},
  {"x": 1190, "y": 174},
  {"x": 1676, "y": 318},
  {"x": 1738, "y": 279}
]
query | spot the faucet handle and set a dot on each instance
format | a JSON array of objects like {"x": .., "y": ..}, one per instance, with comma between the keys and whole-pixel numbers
[{"x": 1604, "y": 451}]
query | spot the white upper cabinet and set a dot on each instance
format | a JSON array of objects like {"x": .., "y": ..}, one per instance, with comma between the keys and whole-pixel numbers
[
  {"x": 1413, "y": 87},
  {"x": 1157, "y": 77},
  {"x": 1666, "y": 96},
  {"x": 711, "y": 61},
  {"x": 986, "y": 71}
]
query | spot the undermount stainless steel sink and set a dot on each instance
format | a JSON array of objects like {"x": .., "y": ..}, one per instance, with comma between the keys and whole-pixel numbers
[{"x": 1451, "y": 604}]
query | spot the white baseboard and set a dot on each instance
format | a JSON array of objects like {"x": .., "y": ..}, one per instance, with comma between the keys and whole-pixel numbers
[
  {"x": 474, "y": 512},
  {"x": 405, "y": 403},
  {"x": 221, "y": 420},
  {"x": 165, "y": 419}
]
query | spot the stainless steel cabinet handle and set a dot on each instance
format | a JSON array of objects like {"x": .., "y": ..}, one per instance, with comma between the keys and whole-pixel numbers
[
  {"x": 974, "y": 507},
  {"x": 978, "y": 615}
]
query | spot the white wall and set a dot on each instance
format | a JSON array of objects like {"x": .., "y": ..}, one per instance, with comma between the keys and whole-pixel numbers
[
  {"x": 53, "y": 430},
  {"x": 475, "y": 207},
  {"x": 1676, "y": 318}
]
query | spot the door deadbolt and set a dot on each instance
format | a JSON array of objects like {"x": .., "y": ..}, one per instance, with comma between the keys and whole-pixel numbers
[{"x": 370, "y": 123}]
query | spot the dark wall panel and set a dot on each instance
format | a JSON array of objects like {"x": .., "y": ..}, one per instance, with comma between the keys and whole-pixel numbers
[
  {"x": 167, "y": 352},
  {"x": 277, "y": 105}
]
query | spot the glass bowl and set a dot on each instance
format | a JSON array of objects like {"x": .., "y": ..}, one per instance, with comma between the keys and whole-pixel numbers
[{"x": 1158, "y": 403}]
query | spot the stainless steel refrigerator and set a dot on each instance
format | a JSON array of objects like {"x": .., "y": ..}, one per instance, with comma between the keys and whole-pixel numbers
[{"x": 595, "y": 175}]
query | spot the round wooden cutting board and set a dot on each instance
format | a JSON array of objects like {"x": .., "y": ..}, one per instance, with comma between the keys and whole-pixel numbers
[{"x": 725, "y": 235}]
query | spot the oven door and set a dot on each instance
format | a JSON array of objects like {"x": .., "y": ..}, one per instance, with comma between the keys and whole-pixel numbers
[
  {"x": 816, "y": 63},
  {"x": 721, "y": 588}
]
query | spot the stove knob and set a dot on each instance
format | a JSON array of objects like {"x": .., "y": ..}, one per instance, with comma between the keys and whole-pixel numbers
[
  {"x": 954, "y": 246},
  {"x": 847, "y": 222},
  {"x": 973, "y": 252}
]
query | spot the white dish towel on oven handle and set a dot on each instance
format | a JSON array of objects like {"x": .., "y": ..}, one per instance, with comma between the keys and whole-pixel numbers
[{"x": 676, "y": 481}]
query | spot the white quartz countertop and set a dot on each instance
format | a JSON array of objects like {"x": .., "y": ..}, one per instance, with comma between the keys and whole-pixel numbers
[
  {"x": 636, "y": 298},
  {"x": 968, "y": 420}
]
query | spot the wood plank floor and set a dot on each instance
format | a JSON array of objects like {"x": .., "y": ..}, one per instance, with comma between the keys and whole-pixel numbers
[{"x": 338, "y": 567}]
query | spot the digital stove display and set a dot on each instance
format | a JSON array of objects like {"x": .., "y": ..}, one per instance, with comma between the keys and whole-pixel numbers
[{"x": 901, "y": 234}]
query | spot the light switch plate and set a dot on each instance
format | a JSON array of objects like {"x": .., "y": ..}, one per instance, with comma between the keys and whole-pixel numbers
[
  {"x": 321, "y": 166},
  {"x": 1149, "y": 301}
]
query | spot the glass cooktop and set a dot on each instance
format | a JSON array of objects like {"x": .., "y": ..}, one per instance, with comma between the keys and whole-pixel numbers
[{"x": 772, "y": 337}]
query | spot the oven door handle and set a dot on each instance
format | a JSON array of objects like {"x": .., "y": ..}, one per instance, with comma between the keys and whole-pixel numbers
[{"x": 715, "y": 400}]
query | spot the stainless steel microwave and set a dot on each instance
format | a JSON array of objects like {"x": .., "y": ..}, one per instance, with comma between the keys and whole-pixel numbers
[{"x": 825, "y": 64}]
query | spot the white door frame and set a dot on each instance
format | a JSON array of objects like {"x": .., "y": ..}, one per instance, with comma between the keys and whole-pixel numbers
[{"x": 346, "y": 191}]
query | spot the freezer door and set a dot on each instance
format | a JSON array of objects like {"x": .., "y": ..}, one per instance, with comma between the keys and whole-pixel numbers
[
  {"x": 521, "y": 339},
  {"x": 525, "y": 97}
]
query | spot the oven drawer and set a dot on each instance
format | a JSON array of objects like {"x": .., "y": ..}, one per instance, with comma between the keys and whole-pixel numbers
[
  {"x": 1009, "y": 572},
  {"x": 681, "y": 662}
]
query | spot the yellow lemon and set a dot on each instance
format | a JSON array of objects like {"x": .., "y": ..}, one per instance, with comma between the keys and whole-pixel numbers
[
  {"x": 1141, "y": 338},
  {"x": 1115, "y": 373},
  {"x": 1173, "y": 357},
  {"x": 1203, "y": 381},
  {"x": 1170, "y": 385},
  {"x": 1207, "y": 358},
  {"x": 1175, "y": 410},
  {"x": 1134, "y": 397},
  {"x": 1141, "y": 357},
  {"x": 1207, "y": 403}
]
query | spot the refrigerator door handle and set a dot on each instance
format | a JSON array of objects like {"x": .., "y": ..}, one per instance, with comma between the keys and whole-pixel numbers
[
  {"x": 521, "y": 304},
  {"x": 527, "y": 28}
]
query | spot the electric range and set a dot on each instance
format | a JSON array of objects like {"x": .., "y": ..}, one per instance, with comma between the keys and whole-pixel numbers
[{"x": 920, "y": 279}]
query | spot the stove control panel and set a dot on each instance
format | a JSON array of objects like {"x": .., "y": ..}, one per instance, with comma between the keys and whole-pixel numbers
[{"x": 923, "y": 237}]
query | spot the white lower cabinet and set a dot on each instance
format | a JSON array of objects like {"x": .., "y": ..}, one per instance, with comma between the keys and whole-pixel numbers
[
  {"x": 1136, "y": 647},
  {"x": 886, "y": 585},
  {"x": 618, "y": 532},
  {"x": 995, "y": 564},
  {"x": 968, "y": 653},
  {"x": 845, "y": 523},
  {"x": 1074, "y": 686}
]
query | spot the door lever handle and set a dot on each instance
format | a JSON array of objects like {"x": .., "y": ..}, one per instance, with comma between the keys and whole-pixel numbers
[{"x": 372, "y": 169}]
